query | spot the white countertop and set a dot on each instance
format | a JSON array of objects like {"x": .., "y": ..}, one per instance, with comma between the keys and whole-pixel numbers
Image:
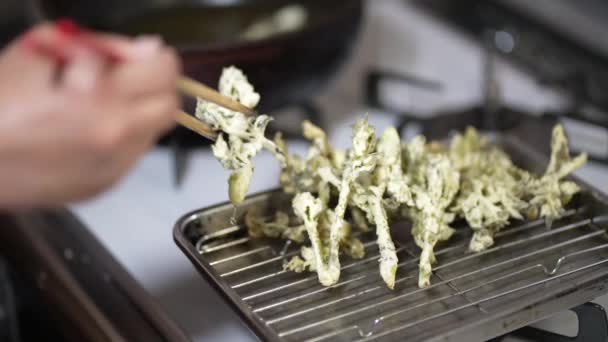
[{"x": 135, "y": 219}]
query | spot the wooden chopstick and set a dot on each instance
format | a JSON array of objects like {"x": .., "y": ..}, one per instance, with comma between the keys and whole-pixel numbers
[
  {"x": 196, "y": 89},
  {"x": 193, "y": 88},
  {"x": 195, "y": 125}
]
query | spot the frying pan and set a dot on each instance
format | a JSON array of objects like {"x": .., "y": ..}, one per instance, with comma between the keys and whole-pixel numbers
[{"x": 287, "y": 69}]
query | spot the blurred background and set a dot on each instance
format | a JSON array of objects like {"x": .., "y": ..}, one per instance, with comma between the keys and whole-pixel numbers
[{"x": 426, "y": 66}]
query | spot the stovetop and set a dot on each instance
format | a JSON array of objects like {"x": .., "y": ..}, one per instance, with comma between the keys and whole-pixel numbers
[
  {"x": 134, "y": 219},
  {"x": 560, "y": 43}
]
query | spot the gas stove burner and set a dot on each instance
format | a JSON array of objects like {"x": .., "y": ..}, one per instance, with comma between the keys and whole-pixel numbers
[
  {"x": 489, "y": 116},
  {"x": 593, "y": 326},
  {"x": 586, "y": 125},
  {"x": 552, "y": 40}
]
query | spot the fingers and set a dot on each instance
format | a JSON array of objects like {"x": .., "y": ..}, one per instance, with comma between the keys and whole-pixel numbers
[
  {"x": 109, "y": 132},
  {"x": 137, "y": 99},
  {"x": 91, "y": 119},
  {"x": 122, "y": 144},
  {"x": 140, "y": 66},
  {"x": 47, "y": 41},
  {"x": 130, "y": 102},
  {"x": 124, "y": 48},
  {"x": 157, "y": 113},
  {"x": 143, "y": 123},
  {"x": 37, "y": 55},
  {"x": 154, "y": 71},
  {"x": 24, "y": 66}
]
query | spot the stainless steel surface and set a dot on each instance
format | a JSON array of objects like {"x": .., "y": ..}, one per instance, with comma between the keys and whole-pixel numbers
[
  {"x": 582, "y": 20},
  {"x": 531, "y": 273}
]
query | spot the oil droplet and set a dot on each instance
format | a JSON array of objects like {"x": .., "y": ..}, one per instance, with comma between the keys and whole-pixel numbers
[
  {"x": 551, "y": 270},
  {"x": 285, "y": 248},
  {"x": 233, "y": 220},
  {"x": 371, "y": 329}
]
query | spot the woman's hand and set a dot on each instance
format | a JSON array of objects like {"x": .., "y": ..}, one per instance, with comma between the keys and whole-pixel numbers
[{"x": 71, "y": 128}]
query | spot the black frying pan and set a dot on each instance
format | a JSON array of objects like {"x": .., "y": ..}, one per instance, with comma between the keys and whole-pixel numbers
[{"x": 286, "y": 69}]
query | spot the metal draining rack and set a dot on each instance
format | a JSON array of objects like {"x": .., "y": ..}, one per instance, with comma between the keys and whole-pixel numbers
[{"x": 531, "y": 272}]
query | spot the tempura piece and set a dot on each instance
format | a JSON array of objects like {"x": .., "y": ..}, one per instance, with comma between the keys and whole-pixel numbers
[
  {"x": 245, "y": 136},
  {"x": 388, "y": 255},
  {"x": 491, "y": 187},
  {"x": 278, "y": 226},
  {"x": 467, "y": 150},
  {"x": 389, "y": 173},
  {"x": 388, "y": 177},
  {"x": 349, "y": 245},
  {"x": 413, "y": 156},
  {"x": 315, "y": 174},
  {"x": 359, "y": 219},
  {"x": 370, "y": 200},
  {"x": 321, "y": 157},
  {"x": 361, "y": 159},
  {"x": 355, "y": 168},
  {"x": 550, "y": 193},
  {"x": 327, "y": 263},
  {"x": 304, "y": 261},
  {"x": 437, "y": 185},
  {"x": 287, "y": 19},
  {"x": 305, "y": 175},
  {"x": 294, "y": 177},
  {"x": 488, "y": 204}
]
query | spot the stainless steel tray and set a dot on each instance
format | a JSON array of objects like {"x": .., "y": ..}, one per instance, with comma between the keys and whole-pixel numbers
[{"x": 531, "y": 273}]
